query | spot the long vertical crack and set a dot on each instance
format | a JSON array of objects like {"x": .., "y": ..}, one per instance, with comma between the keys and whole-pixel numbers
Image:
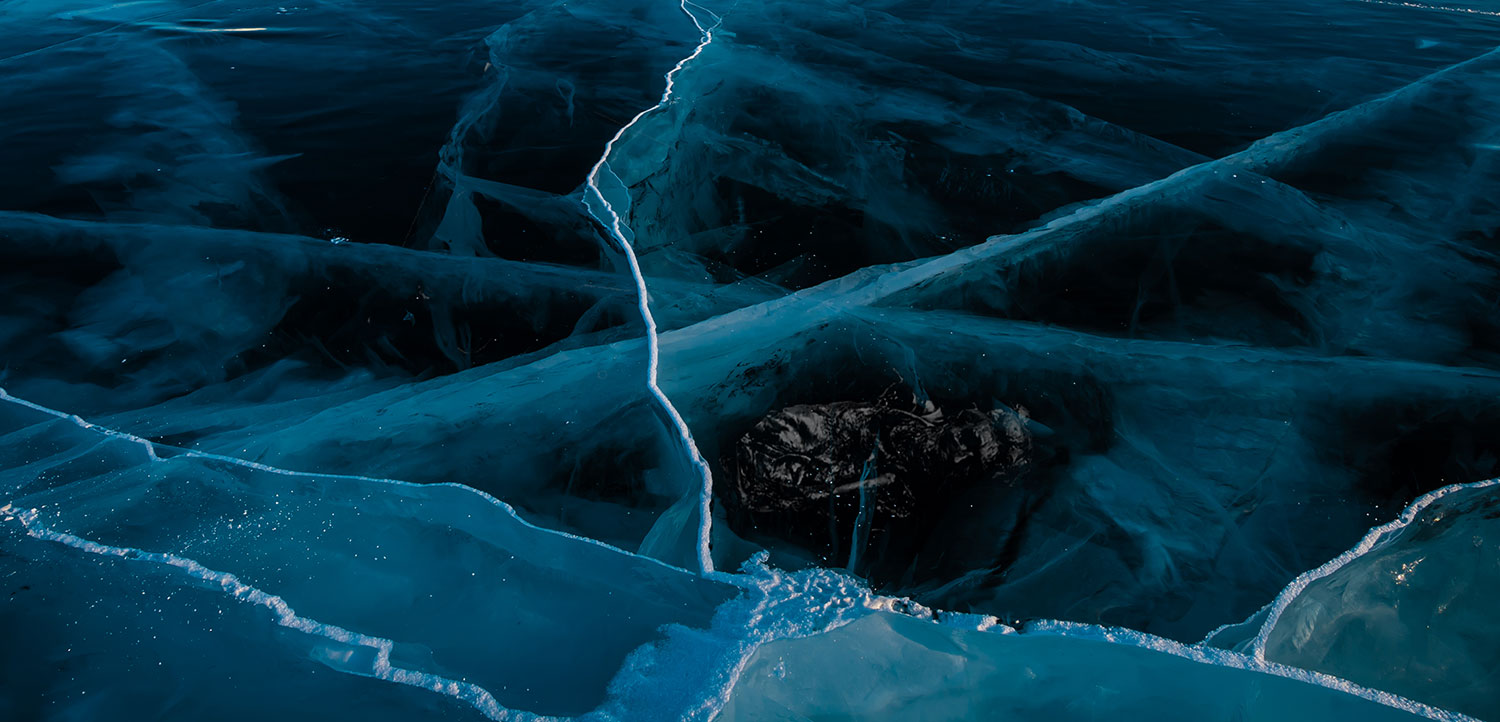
[{"x": 601, "y": 209}]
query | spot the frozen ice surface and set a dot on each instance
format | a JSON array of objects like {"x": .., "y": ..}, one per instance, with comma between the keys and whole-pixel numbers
[
  {"x": 361, "y": 556},
  {"x": 1407, "y": 609},
  {"x": 641, "y": 359},
  {"x": 891, "y": 667}
]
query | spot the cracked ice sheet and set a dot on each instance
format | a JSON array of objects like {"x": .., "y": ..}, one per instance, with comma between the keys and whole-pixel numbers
[
  {"x": 708, "y": 363},
  {"x": 464, "y": 589},
  {"x": 909, "y": 130},
  {"x": 1143, "y": 376},
  {"x": 126, "y": 91},
  {"x": 891, "y": 667},
  {"x": 1416, "y": 589},
  {"x": 626, "y": 348},
  {"x": 165, "y": 351},
  {"x": 561, "y": 80},
  {"x": 823, "y": 608},
  {"x": 188, "y": 651},
  {"x": 258, "y": 297},
  {"x": 710, "y": 366},
  {"x": 221, "y": 513}
]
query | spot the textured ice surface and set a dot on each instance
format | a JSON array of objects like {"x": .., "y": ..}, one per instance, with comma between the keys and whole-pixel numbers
[
  {"x": 449, "y": 579},
  {"x": 892, "y": 667},
  {"x": 1405, "y": 610},
  {"x": 415, "y": 349}
]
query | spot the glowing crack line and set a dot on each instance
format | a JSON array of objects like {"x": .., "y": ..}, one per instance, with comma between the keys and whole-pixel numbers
[
  {"x": 615, "y": 224},
  {"x": 379, "y": 668},
  {"x": 151, "y": 448},
  {"x": 755, "y": 582},
  {"x": 595, "y": 202}
]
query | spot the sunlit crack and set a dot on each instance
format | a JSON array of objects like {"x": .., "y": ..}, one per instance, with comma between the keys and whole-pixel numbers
[{"x": 602, "y": 210}]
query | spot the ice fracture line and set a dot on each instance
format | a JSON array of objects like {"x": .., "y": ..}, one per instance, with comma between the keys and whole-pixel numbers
[{"x": 605, "y": 213}]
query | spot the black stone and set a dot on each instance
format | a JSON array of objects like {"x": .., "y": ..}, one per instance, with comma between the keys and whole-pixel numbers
[{"x": 802, "y": 474}]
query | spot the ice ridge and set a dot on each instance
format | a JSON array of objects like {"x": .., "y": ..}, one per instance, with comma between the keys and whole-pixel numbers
[
  {"x": 1372, "y": 540},
  {"x": 379, "y": 666},
  {"x": 152, "y": 447},
  {"x": 775, "y": 605}
]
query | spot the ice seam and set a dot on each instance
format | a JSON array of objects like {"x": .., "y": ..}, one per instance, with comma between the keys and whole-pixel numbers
[
  {"x": 616, "y": 226},
  {"x": 152, "y": 446},
  {"x": 1372, "y": 539},
  {"x": 381, "y": 668}
]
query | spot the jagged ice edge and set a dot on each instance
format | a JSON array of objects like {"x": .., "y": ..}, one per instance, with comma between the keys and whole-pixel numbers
[
  {"x": 1372, "y": 539},
  {"x": 380, "y": 668},
  {"x": 1440, "y": 8},
  {"x": 152, "y": 446},
  {"x": 1216, "y": 657},
  {"x": 794, "y": 605},
  {"x": 473, "y": 695},
  {"x": 616, "y": 226},
  {"x": 828, "y": 599}
]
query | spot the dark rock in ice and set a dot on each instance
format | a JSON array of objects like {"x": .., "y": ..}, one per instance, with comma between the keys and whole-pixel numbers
[{"x": 821, "y": 473}]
